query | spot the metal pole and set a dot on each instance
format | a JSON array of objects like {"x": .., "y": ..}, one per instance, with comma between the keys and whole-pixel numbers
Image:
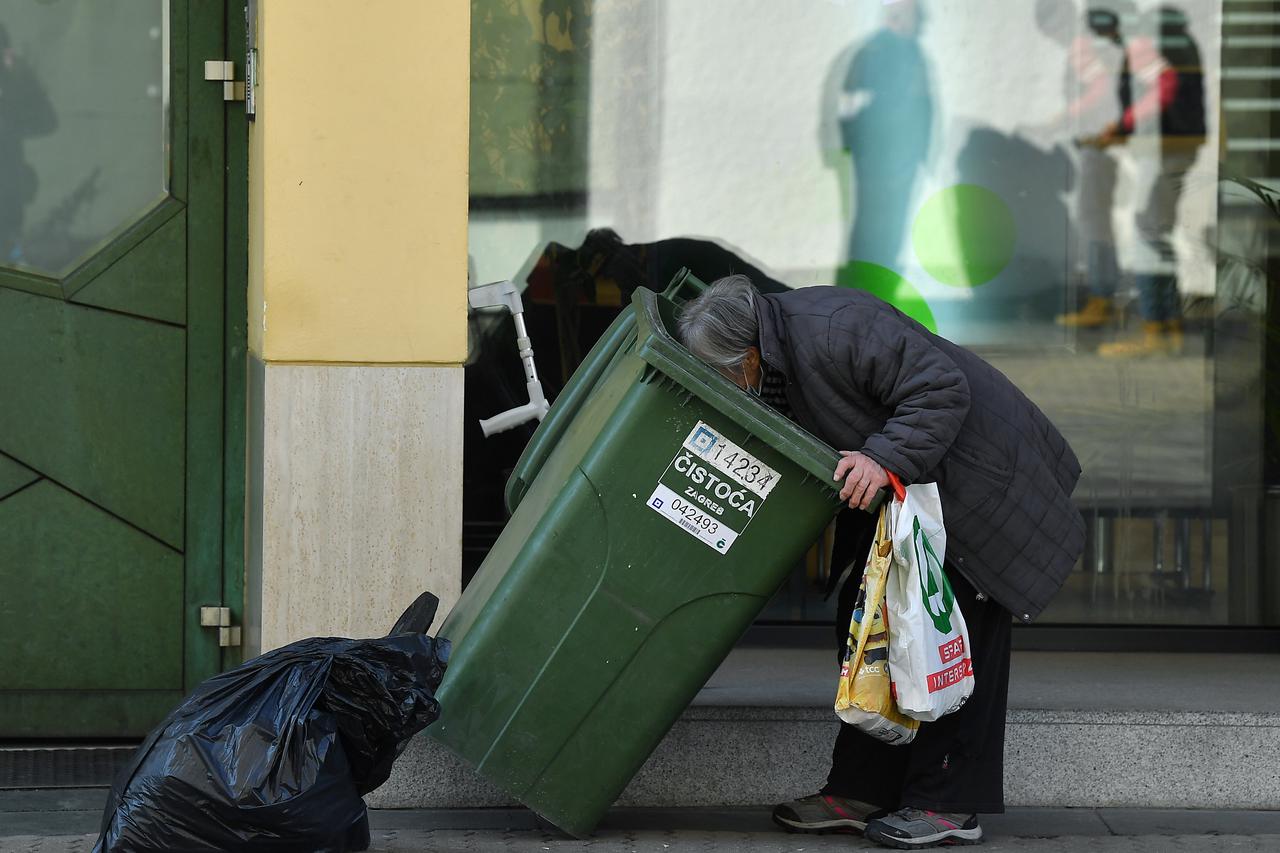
[
  {"x": 1103, "y": 544},
  {"x": 1206, "y": 555},
  {"x": 1182, "y": 550},
  {"x": 1158, "y": 544}
]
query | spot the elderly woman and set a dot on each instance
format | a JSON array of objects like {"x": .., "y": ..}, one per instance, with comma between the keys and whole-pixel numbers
[{"x": 893, "y": 397}]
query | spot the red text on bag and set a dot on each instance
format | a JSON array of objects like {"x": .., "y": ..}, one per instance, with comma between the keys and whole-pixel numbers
[
  {"x": 949, "y": 676},
  {"x": 951, "y": 649}
]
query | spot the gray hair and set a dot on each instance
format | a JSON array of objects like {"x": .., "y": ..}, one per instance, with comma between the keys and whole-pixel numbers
[{"x": 721, "y": 324}]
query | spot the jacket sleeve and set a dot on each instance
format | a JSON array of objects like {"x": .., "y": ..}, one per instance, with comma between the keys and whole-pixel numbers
[{"x": 891, "y": 360}]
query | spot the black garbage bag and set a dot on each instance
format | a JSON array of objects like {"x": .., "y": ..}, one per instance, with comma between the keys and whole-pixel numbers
[{"x": 276, "y": 754}]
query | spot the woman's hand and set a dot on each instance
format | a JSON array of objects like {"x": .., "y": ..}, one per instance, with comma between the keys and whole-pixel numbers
[{"x": 863, "y": 478}]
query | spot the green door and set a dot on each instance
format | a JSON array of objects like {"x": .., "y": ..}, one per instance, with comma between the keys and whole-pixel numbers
[{"x": 113, "y": 360}]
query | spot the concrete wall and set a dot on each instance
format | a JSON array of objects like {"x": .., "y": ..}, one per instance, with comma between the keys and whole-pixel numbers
[{"x": 358, "y": 274}]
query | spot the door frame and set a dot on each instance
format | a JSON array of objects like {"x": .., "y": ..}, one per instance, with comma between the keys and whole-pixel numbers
[
  {"x": 236, "y": 335},
  {"x": 205, "y": 136}
]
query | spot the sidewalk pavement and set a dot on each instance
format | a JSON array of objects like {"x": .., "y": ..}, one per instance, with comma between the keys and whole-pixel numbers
[
  {"x": 63, "y": 821},
  {"x": 461, "y": 841}
]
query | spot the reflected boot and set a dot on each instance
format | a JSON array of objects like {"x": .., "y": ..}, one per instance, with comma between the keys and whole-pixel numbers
[
  {"x": 1098, "y": 311},
  {"x": 1158, "y": 338}
]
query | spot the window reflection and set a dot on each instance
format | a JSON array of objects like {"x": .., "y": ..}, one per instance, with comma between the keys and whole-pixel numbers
[
  {"x": 885, "y": 112},
  {"x": 27, "y": 114},
  {"x": 83, "y": 126},
  {"x": 1081, "y": 192}
]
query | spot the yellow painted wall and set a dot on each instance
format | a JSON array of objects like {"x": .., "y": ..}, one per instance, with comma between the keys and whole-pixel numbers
[{"x": 358, "y": 182}]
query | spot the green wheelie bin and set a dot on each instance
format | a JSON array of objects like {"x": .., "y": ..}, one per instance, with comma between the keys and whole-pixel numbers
[{"x": 669, "y": 510}]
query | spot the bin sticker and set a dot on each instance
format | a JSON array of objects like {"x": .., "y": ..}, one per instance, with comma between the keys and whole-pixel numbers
[{"x": 712, "y": 488}]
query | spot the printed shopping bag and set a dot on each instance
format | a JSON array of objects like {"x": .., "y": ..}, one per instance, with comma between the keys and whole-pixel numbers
[
  {"x": 864, "y": 696},
  {"x": 928, "y": 641}
]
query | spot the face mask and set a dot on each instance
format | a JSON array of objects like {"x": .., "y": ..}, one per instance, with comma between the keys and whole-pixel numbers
[{"x": 756, "y": 391}]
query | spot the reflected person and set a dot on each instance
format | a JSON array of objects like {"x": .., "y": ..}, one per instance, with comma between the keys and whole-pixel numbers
[
  {"x": 886, "y": 116},
  {"x": 1163, "y": 130},
  {"x": 604, "y": 271},
  {"x": 1097, "y": 88},
  {"x": 25, "y": 112},
  {"x": 892, "y": 396}
]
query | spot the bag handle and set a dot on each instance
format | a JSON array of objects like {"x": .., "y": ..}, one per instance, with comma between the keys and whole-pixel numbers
[{"x": 899, "y": 490}]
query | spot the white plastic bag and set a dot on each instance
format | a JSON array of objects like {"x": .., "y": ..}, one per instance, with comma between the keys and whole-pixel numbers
[{"x": 928, "y": 641}]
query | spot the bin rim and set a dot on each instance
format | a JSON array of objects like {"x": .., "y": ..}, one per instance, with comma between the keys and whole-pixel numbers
[
  {"x": 563, "y": 411},
  {"x": 658, "y": 348}
]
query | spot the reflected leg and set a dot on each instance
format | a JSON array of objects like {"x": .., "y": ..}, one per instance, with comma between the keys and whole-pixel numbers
[
  {"x": 1157, "y": 273},
  {"x": 1093, "y": 211},
  {"x": 1093, "y": 307},
  {"x": 882, "y": 192},
  {"x": 1155, "y": 264}
]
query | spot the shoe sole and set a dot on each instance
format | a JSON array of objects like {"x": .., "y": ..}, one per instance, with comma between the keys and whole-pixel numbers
[
  {"x": 956, "y": 837},
  {"x": 826, "y": 827}
]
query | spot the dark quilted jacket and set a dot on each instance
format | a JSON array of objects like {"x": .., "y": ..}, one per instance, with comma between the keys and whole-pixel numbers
[{"x": 863, "y": 376}]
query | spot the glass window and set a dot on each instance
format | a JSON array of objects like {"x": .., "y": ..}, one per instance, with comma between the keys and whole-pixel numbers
[
  {"x": 84, "y": 141},
  {"x": 1083, "y": 193}
]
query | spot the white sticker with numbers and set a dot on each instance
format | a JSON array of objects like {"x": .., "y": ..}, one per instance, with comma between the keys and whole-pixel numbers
[{"x": 712, "y": 488}]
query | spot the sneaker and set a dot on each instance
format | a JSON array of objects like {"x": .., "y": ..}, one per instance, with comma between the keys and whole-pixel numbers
[
  {"x": 909, "y": 829},
  {"x": 824, "y": 813}
]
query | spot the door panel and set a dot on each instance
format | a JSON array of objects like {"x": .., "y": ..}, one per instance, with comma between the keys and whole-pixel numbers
[
  {"x": 64, "y": 541},
  {"x": 142, "y": 281},
  {"x": 14, "y": 476},
  {"x": 94, "y": 401},
  {"x": 112, "y": 364}
]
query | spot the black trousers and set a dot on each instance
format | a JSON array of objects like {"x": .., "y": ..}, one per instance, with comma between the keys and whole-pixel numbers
[{"x": 955, "y": 764}]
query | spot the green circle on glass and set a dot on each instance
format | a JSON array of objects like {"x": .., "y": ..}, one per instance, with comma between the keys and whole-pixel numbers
[
  {"x": 889, "y": 286},
  {"x": 964, "y": 235}
]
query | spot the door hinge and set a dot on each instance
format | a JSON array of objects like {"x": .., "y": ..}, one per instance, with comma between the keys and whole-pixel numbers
[
  {"x": 224, "y": 71},
  {"x": 220, "y": 618}
]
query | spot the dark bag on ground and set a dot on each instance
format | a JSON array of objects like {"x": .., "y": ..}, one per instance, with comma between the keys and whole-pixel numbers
[{"x": 277, "y": 754}]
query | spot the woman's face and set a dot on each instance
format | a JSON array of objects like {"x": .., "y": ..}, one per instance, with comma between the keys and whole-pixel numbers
[{"x": 747, "y": 374}]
